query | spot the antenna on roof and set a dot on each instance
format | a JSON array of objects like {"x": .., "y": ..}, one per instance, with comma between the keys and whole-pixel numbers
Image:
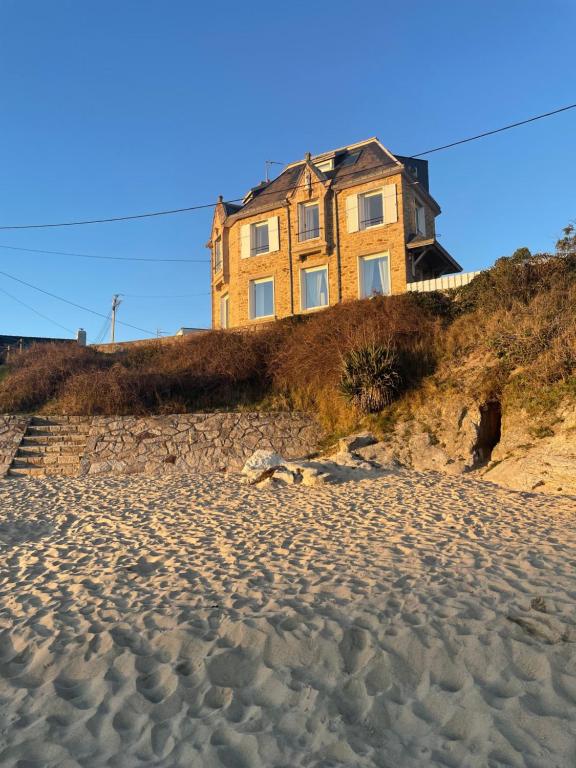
[{"x": 267, "y": 164}]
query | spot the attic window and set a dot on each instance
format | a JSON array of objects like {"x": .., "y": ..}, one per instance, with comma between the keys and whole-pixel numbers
[
  {"x": 325, "y": 165},
  {"x": 349, "y": 159}
]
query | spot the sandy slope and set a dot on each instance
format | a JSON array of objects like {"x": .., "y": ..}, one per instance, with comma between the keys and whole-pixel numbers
[{"x": 193, "y": 621}]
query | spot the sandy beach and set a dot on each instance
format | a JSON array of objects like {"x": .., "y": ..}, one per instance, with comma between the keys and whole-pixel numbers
[{"x": 407, "y": 619}]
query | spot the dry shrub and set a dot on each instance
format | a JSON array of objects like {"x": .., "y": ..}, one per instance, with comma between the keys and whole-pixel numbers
[
  {"x": 308, "y": 365},
  {"x": 36, "y": 374}
]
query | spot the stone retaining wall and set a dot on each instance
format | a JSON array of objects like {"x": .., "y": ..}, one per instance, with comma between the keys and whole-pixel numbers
[
  {"x": 11, "y": 430},
  {"x": 192, "y": 442}
]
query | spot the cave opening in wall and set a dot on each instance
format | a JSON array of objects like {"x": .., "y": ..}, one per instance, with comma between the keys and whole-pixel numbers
[{"x": 489, "y": 431}]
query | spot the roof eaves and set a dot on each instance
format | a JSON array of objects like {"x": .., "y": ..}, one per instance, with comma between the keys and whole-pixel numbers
[
  {"x": 332, "y": 152},
  {"x": 254, "y": 211}
]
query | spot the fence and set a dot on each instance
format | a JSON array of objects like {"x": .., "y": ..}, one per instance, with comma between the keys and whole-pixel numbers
[{"x": 445, "y": 283}]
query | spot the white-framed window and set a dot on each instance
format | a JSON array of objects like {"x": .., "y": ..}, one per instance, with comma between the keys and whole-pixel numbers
[
  {"x": 314, "y": 287},
  {"x": 262, "y": 298},
  {"x": 308, "y": 221},
  {"x": 260, "y": 237},
  {"x": 225, "y": 311},
  {"x": 218, "y": 254},
  {"x": 370, "y": 209},
  {"x": 374, "y": 274},
  {"x": 420, "y": 218},
  {"x": 325, "y": 165},
  {"x": 259, "y": 242}
]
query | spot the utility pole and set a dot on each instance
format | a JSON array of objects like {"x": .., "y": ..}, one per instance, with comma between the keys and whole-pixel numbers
[{"x": 116, "y": 301}]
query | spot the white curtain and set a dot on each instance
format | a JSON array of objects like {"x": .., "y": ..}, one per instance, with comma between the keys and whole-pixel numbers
[
  {"x": 375, "y": 276},
  {"x": 316, "y": 289},
  {"x": 382, "y": 266}
]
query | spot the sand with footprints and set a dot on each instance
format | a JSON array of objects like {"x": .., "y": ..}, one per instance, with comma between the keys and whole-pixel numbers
[{"x": 403, "y": 619}]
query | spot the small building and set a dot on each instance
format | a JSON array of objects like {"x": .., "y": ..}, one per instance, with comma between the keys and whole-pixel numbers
[
  {"x": 12, "y": 344},
  {"x": 346, "y": 224},
  {"x": 187, "y": 331}
]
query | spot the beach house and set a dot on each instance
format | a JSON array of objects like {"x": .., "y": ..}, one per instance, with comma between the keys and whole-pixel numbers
[{"x": 346, "y": 224}]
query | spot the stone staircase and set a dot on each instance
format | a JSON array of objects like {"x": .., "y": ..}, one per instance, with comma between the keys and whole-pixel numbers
[{"x": 51, "y": 446}]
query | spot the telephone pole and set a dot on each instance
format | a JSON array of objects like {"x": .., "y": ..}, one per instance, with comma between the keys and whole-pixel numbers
[{"x": 116, "y": 301}]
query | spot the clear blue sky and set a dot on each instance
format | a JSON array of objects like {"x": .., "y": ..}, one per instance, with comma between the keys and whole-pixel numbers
[{"x": 112, "y": 107}]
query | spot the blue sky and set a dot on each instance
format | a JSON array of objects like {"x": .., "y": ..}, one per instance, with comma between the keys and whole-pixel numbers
[{"x": 110, "y": 108}]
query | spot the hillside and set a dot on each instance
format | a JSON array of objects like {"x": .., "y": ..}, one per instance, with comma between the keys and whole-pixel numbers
[{"x": 483, "y": 379}]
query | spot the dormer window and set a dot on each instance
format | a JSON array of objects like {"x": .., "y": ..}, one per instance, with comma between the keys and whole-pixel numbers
[
  {"x": 308, "y": 221},
  {"x": 325, "y": 165}
]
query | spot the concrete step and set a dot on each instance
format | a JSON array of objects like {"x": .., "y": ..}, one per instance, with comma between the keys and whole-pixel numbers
[
  {"x": 27, "y": 472},
  {"x": 57, "y": 430},
  {"x": 28, "y": 462},
  {"x": 37, "y": 449},
  {"x": 60, "y": 420},
  {"x": 47, "y": 453},
  {"x": 52, "y": 439},
  {"x": 49, "y": 461}
]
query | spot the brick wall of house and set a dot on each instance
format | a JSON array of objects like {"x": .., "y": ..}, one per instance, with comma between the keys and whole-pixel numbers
[{"x": 285, "y": 265}]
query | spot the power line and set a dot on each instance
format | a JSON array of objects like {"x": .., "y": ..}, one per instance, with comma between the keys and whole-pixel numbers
[
  {"x": 288, "y": 189},
  {"x": 36, "y": 312},
  {"x": 104, "y": 329},
  {"x": 72, "y": 303},
  {"x": 496, "y": 130},
  {"x": 171, "y": 296},
  {"x": 108, "y": 258}
]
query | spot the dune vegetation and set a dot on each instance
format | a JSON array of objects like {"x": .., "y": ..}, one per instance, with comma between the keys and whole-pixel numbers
[{"x": 510, "y": 334}]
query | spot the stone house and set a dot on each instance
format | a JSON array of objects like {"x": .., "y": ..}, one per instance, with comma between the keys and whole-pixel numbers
[{"x": 342, "y": 225}]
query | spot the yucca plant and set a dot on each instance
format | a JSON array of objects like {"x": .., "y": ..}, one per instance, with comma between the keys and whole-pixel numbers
[{"x": 370, "y": 377}]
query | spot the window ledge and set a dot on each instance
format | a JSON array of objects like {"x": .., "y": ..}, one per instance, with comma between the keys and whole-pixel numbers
[{"x": 255, "y": 255}]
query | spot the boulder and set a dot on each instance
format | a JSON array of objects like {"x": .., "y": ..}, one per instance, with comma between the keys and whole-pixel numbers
[{"x": 261, "y": 460}]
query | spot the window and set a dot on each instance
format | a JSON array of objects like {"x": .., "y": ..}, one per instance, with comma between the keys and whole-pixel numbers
[
  {"x": 325, "y": 165},
  {"x": 308, "y": 221},
  {"x": 262, "y": 298},
  {"x": 349, "y": 159},
  {"x": 259, "y": 238},
  {"x": 371, "y": 208},
  {"x": 314, "y": 287},
  {"x": 225, "y": 311},
  {"x": 374, "y": 275},
  {"x": 420, "y": 217},
  {"x": 218, "y": 255}
]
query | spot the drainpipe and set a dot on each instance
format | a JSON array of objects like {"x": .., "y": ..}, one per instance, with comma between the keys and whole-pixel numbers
[
  {"x": 290, "y": 258},
  {"x": 337, "y": 246}
]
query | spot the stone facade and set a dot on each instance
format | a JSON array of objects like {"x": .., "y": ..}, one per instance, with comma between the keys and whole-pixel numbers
[
  {"x": 340, "y": 245},
  {"x": 192, "y": 442},
  {"x": 12, "y": 429}
]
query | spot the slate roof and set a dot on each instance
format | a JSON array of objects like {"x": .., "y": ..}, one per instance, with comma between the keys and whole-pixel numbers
[
  {"x": 231, "y": 208},
  {"x": 372, "y": 161}
]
